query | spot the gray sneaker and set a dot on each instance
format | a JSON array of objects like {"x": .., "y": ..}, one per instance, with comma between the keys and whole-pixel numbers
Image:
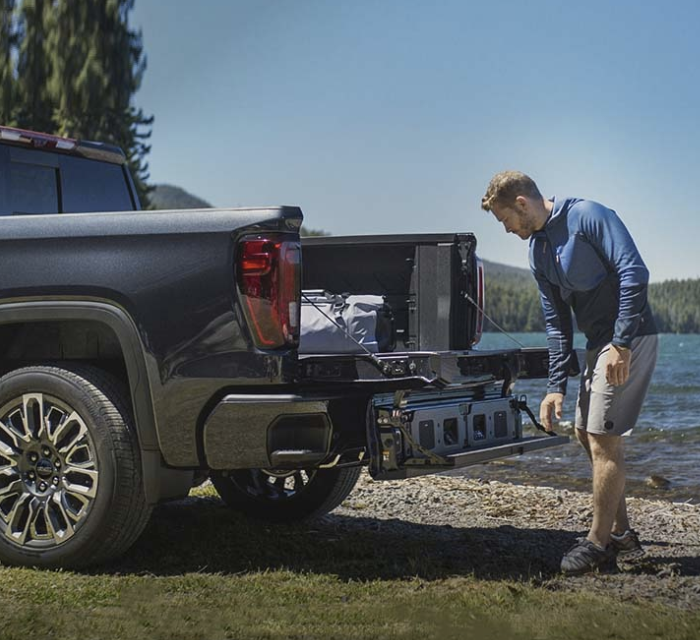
[
  {"x": 627, "y": 545},
  {"x": 587, "y": 556}
]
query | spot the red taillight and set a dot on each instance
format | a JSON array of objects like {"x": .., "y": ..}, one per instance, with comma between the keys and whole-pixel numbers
[
  {"x": 269, "y": 281},
  {"x": 480, "y": 300}
]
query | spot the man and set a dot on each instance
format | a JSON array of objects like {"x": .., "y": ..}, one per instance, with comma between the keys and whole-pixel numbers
[{"x": 585, "y": 260}]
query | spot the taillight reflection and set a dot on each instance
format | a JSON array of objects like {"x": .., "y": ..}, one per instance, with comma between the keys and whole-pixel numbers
[{"x": 269, "y": 281}]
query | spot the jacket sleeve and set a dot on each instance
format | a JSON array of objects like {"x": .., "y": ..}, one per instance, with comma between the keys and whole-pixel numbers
[
  {"x": 560, "y": 334},
  {"x": 614, "y": 245}
]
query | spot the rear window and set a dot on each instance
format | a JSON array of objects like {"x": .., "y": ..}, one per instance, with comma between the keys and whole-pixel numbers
[
  {"x": 89, "y": 185},
  {"x": 32, "y": 189},
  {"x": 33, "y": 182}
]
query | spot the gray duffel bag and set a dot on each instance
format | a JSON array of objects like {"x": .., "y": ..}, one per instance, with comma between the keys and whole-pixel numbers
[{"x": 328, "y": 318}]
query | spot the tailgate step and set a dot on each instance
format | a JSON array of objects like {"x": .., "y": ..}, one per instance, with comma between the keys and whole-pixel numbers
[
  {"x": 511, "y": 449},
  {"x": 420, "y": 466}
]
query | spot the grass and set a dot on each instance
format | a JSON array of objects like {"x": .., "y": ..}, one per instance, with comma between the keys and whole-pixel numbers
[{"x": 200, "y": 571}]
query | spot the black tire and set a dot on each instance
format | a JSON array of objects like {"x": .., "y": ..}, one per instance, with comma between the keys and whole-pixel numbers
[
  {"x": 293, "y": 496},
  {"x": 93, "y": 507}
]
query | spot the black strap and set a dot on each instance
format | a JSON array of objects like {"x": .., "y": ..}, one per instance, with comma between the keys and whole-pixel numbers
[{"x": 522, "y": 405}]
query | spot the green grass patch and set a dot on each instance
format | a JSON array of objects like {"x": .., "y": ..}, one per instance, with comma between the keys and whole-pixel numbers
[
  {"x": 280, "y": 604},
  {"x": 201, "y": 572}
]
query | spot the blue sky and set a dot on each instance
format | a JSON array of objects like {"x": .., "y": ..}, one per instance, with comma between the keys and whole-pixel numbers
[{"x": 390, "y": 116}]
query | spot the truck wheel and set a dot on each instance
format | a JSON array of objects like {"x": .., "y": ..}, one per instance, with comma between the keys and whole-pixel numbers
[
  {"x": 286, "y": 496},
  {"x": 71, "y": 492}
]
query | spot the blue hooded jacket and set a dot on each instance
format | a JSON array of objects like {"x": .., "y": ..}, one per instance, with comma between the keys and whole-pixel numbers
[{"x": 585, "y": 260}]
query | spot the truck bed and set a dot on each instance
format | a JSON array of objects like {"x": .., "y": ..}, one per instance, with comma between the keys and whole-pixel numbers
[{"x": 424, "y": 278}]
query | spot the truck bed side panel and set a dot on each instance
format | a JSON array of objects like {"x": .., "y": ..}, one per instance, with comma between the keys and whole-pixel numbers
[{"x": 172, "y": 273}]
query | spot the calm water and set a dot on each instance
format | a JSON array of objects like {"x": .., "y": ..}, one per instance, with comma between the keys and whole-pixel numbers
[{"x": 666, "y": 441}]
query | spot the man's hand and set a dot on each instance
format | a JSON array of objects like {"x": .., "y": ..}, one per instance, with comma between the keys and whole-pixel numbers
[
  {"x": 552, "y": 402},
  {"x": 617, "y": 365}
]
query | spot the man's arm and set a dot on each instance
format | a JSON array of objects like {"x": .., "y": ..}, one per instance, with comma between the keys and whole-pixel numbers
[
  {"x": 559, "y": 327},
  {"x": 613, "y": 243},
  {"x": 557, "y": 316}
]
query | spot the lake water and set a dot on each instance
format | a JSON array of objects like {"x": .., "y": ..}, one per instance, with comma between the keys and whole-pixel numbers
[{"x": 666, "y": 441}]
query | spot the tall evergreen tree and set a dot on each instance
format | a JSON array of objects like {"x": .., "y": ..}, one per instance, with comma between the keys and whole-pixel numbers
[
  {"x": 73, "y": 68},
  {"x": 7, "y": 42},
  {"x": 35, "y": 109},
  {"x": 99, "y": 65}
]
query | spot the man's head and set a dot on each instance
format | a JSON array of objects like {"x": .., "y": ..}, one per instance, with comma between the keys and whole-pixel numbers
[{"x": 517, "y": 203}]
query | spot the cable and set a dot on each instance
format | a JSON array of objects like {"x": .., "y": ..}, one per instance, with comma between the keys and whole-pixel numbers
[{"x": 492, "y": 321}]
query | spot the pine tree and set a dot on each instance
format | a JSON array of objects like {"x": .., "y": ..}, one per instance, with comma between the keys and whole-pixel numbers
[
  {"x": 35, "y": 110},
  {"x": 7, "y": 80},
  {"x": 78, "y": 67},
  {"x": 99, "y": 65}
]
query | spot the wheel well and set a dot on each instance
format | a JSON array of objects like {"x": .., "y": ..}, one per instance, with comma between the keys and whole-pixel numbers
[
  {"x": 105, "y": 337},
  {"x": 87, "y": 341}
]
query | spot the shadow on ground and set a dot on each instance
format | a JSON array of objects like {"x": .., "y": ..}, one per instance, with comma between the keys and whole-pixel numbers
[{"x": 202, "y": 535}]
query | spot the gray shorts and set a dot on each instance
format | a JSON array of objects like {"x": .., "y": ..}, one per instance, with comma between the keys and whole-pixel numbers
[{"x": 602, "y": 408}]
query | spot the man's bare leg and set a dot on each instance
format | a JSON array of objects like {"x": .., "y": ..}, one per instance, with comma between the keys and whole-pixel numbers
[
  {"x": 608, "y": 484},
  {"x": 582, "y": 437},
  {"x": 621, "y": 523}
]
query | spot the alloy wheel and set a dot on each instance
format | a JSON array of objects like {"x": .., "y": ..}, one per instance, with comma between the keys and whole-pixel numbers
[
  {"x": 273, "y": 484},
  {"x": 48, "y": 471}
]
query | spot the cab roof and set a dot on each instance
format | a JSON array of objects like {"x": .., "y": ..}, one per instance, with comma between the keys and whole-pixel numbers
[{"x": 57, "y": 144}]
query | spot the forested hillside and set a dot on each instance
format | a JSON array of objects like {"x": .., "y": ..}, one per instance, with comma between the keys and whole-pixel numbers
[
  {"x": 513, "y": 302},
  {"x": 676, "y": 305}
]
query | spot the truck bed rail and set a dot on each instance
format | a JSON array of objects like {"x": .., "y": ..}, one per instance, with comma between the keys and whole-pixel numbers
[{"x": 419, "y": 369}]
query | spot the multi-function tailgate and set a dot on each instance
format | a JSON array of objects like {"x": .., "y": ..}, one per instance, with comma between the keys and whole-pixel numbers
[{"x": 435, "y": 411}]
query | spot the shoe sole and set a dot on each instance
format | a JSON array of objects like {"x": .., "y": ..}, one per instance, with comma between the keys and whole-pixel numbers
[{"x": 635, "y": 554}]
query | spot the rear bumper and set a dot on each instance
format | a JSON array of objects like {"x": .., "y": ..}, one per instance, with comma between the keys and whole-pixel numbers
[
  {"x": 247, "y": 431},
  {"x": 430, "y": 432}
]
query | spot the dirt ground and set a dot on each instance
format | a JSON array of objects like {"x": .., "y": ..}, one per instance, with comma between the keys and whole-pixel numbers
[{"x": 497, "y": 530}]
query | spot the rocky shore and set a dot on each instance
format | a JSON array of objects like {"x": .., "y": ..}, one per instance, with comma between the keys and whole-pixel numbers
[{"x": 498, "y": 530}]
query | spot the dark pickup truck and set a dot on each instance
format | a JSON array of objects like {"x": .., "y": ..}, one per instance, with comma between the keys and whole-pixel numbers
[{"x": 144, "y": 351}]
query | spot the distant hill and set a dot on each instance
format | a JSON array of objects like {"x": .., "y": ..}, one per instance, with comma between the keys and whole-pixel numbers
[
  {"x": 513, "y": 301},
  {"x": 512, "y": 274},
  {"x": 167, "y": 196}
]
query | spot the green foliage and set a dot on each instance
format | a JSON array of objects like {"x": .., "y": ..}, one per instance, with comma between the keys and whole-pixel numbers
[
  {"x": 74, "y": 68},
  {"x": 513, "y": 307},
  {"x": 34, "y": 106},
  {"x": 512, "y": 300},
  {"x": 305, "y": 231},
  {"x": 8, "y": 37},
  {"x": 676, "y": 305}
]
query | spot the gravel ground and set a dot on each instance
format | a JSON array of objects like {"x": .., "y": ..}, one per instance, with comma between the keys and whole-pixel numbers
[{"x": 494, "y": 529}]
